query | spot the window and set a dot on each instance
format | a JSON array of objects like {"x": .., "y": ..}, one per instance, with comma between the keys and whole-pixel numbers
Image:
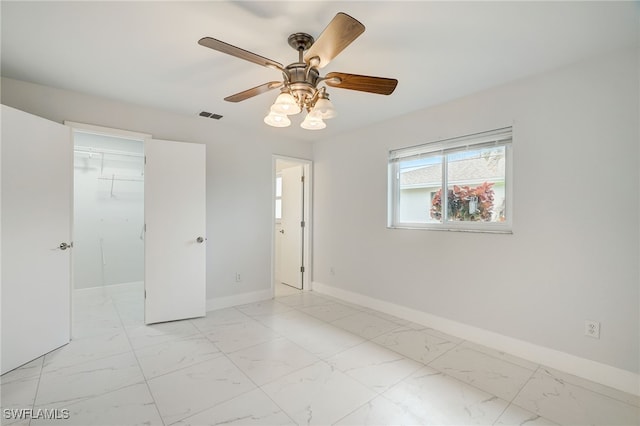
[
  {"x": 278, "y": 198},
  {"x": 473, "y": 171}
]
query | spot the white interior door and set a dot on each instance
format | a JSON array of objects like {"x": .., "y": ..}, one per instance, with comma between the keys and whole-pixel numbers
[
  {"x": 37, "y": 206},
  {"x": 175, "y": 238},
  {"x": 291, "y": 235},
  {"x": 278, "y": 253}
]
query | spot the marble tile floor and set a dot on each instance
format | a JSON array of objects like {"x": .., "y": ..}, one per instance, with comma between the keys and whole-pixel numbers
[{"x": 301, "y": 358}]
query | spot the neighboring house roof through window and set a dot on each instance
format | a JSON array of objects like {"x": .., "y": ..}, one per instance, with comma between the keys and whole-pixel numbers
[{"x": 489, "y": 169}]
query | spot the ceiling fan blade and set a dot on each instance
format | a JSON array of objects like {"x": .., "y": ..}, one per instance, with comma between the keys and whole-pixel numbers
[
  {"x": 363, "y": 83},
  {"x": 341, "y": 32},
  {"x": 229, "y": 49},
  {"x": 255, "y": 91}
]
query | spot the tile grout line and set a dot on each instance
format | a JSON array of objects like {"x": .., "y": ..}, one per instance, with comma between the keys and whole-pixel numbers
[
  {"x": 281, "y": 336},
  {"x": 370, "y": 340},
  {"x": 635, "y": 405},
  {"x": 473, "y": 385},
  {"x": 356, "y": 409},
  {"x": 501, "y": 359},
  {"x": 258, "y": 387},
  {"x": 35, "y": 396},
  {"x": 456, "y": 345},
  {"x": 323, "y": 360},
  {"x": 518, "y": 393},
  {"x": 88, "y": 398},
  {"x": 122, "y": 329},
  {"x": 379, "y": 393},
  {"x": 247, "y": 347},
  {"x": 443, "y": 354},
  {"x": 513, "y": 363},
  {"x": 570, "y": 382},
  {"x": 221, "y": 354},
  {"x": 146, "y": 382},
  {"x": 218, "y": 355}
]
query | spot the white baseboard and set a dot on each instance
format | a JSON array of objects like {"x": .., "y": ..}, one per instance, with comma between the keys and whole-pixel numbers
[
  {"x": 591, "y": 370},
  {"x": 112, "y": 288},
  {"x": 238, "y": 299}
]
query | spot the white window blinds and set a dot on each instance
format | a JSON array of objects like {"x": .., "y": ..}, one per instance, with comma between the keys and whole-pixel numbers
[{"x": 491, "y": 138}]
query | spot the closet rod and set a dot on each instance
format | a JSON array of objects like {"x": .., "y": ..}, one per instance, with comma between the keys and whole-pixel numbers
[
  {"x": 89, "y": 150},
  {"x": 115, "y": 177}
]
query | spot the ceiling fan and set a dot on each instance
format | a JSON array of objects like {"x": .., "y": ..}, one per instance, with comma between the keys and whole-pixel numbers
[{"x": 299, "y": 89}]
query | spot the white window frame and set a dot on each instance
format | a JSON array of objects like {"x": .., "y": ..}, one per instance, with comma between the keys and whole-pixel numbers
[
  {"x": 498, "y": 137},
  {"x": 278, "y": 197}
]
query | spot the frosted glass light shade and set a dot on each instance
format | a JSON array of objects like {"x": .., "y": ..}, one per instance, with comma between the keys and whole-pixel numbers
[
  {"x": 277, "y": 120},
  {"x": 313, "y": 122},
  {"x": 324, "y": 108},
  {"x": 285, "y": 104}
]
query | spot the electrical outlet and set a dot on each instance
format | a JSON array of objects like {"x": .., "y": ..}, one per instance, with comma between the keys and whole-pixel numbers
[
  {"x": 592, "y": 329},
  {"x": 238, "y": 277}
]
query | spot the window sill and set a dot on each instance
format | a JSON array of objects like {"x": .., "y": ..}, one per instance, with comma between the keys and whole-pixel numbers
[{"x": 507, "y": 231}]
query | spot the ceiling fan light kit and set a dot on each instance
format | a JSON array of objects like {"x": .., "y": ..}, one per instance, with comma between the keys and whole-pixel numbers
[
  {"x": 286, "y": 104},
  {"x": 323, "y": 106},
  {"x": 275, "y": 119},
  {"x": 299, "y": 88},
  {"x": 313, "y": 121}
]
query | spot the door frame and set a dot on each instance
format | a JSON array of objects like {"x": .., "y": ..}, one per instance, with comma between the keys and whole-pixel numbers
[
  {"x": 101, "y": 131},
  {"x": 307, "y": 233}
]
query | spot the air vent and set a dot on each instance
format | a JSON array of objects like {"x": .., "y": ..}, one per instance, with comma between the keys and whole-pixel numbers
[{"x": 210, "y": 115}]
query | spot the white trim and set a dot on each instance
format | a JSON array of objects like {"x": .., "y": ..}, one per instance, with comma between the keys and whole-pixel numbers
[
  {"x": 238, "y": 299},
  {"x": 107, "y": 131},
  {"x": 607, "y": 375}
]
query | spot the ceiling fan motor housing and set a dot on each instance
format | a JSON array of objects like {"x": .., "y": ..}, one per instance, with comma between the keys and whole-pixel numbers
[{"x": 302, "y": 81}]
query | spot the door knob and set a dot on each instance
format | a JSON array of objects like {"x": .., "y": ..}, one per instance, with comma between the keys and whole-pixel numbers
[
  {"x": 200, "y": 240},
  {"x": 281, "y": 231},
  {"x": 64, "y": 246}
]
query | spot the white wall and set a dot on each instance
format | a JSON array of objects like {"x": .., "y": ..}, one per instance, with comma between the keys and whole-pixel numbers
[
  {"x": 574, "y": 251},
  {"x": 239, "y": 176}
]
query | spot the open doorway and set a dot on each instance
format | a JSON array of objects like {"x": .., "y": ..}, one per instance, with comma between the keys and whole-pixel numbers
[
  {"x": 292, "y": 206},
  {"x": 108, "y": 230}
]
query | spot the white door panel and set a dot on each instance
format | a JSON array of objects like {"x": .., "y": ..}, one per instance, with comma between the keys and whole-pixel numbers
[
  {"x": 278, "y": 248},
  {"x": 37, "y": 206},
  {"x": 291, "y": 235},
  {"x": 175, "y": 207}
]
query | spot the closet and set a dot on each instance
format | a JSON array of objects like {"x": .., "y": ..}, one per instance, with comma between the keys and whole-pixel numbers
[
  {"x": 139, "y": 229},
  {"x": 74, "y": 221},
  {"x": 108, "y": 218}
]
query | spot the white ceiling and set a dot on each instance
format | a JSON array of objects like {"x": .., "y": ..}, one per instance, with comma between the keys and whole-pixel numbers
[{"x": 147, "y": 53}]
